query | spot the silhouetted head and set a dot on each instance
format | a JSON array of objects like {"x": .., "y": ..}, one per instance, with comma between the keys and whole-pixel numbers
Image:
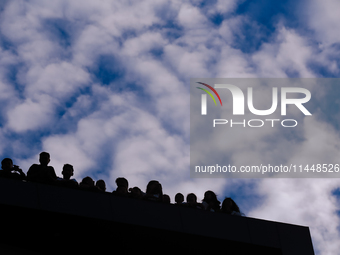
[
  {"x": 67, "y": 171},
  {"x": 44, "y": 158},
  {"x": 179, "y": 198},
  {"x": 154, "y": 187},
  {"x": 210, "y": 201},
  {"x": 7, "y": 164},
  {"x": 122, "y": 186},
  {"x": 191, "y": 199},
  {"x": 122, "y": 182},
  {"x": 122, "y": 191},
  {"x": 229, "y": 205},
  {"x": 101, "y": 185},
  {"x": 136, "y": 192},
  {"x": 209, "y": 196},
  {"x": 166, "y": 199},
  {"x": 87, "y": 182}
]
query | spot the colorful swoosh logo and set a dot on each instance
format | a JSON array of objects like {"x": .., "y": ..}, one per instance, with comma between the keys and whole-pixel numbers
[{"x": 208, "y": 92}]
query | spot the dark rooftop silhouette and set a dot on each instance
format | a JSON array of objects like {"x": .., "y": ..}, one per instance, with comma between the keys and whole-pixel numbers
[{"x": 47, "y": 219}]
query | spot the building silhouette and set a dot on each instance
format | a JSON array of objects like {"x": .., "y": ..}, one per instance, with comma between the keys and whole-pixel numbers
[{"x": 45, "y": 219}]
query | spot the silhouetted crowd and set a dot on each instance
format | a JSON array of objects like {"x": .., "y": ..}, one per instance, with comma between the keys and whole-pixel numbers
[{"x": 43, "y": 173}]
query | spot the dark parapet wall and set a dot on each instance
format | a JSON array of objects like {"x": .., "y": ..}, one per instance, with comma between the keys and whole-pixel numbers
[{"x": 45, "y": 219}]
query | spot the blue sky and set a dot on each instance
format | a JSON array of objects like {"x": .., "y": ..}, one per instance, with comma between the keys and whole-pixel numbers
[{"x": 104, "y": 86}]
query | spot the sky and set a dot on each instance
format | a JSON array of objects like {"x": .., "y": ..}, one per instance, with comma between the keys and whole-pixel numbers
[{"x": 104, "y": 86}]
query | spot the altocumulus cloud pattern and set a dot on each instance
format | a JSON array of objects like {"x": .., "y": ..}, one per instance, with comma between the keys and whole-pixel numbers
[{"x": 104, "y": 86}]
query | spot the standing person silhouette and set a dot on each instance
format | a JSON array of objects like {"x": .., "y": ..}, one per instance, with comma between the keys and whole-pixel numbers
[
  {"x": 230, "y": 207},
  {"x": 154, "y": 191},
  {"x": 67, "y": 173},
  {"x": 210, "y": 202},
  {"x": 43, "y": 172}
]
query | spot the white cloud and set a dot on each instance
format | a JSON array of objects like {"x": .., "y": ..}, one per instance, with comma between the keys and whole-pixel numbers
[
  {"x": 189, "y": 63},
  {"x": 31, "y": 115},
  {"x": 58, "y": 79},
  {"x": 229, "y": 6},
  {"x": 233, "y": 63},
  {"x": 323, "y": 18},
  {"x": 68, "y": 149},
  {"x": 289, "y": 53},
  {"x": 190, "y": 17},
  {"x": 92, "y": 42},
  {"x": 304, "y": 202},
  {"x": 143, "y": 44}
]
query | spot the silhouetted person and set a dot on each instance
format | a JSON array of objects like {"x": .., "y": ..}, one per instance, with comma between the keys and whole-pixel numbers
[
  {"x": 166, "y": 199},
  {"x": 136, "y": 192},
  {"x": 230, "y": 207},
  {"x": 210, "y": 202},
  {"x": 87, "y": 183},
  {"x": 100, "y": 184},
  {"x": 154, "y": 191},
  {"x": 192, "y": 202},
  {"x": 43, "y": 172},
  {"x": 122, "y": 187},
  {"x": 179, "y": 199},
  {"x": 67, "y": 173},
  {"x": 11, "y": 171}
]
